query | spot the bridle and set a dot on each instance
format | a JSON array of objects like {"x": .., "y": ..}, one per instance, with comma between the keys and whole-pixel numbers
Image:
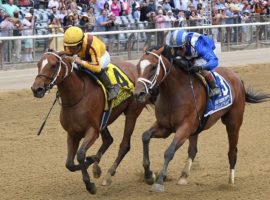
[
  {"x": 150, "y": 84},
  {"x": 57, "y": 72}
]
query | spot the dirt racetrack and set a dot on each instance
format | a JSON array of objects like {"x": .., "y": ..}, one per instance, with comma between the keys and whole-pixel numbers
[{"x": 33, "y": 167}]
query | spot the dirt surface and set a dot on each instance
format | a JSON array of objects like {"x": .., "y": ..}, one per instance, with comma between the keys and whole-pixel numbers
[{"x": 33, "y": 167}]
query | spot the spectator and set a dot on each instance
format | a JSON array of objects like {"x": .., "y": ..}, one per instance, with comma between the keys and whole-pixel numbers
[
  {"x": 62, "y": 5},
  {"x": 28, "y": 23},
  {"x": 115, "y": 8},
  {"x": 9, "y": 8},
  {"x": 84, "y": 23},
  {"x": 17, "y": 45},
  {"x": 6, "y": 27},
  {"x": 56, "y": 43},
  {"x": 246, "y": 30},
  {"x": 170, "y": 19},
  {"x": 110, "y": 27},
  {"x": 53, "y": 3},
  {"x": 24, "y": 3},
  {"x": 167, "y": 6},
  {"x": 160, "y": 21},
  {"x": 216, "y": 19},
  {"x": 69, "y": 20},
  {"x": 137, "y": 13},
  {"x": 61, "y": 15},
  {"x": 143, "y": 12},
  {"x": 181, "y": 19},
  {"x": 92, "y": 19},
  {"x": 125, "y": 7},
  {"x": 53, "y": 14},
  {"x": 73, "y": 6}
]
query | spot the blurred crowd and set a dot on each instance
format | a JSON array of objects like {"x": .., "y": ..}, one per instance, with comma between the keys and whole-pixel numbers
[{"x": 21, "y": 17}]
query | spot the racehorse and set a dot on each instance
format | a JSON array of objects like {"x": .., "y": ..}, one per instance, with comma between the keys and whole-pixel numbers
[
  {"x": 180, "y": 108},
  {"x": 81, "y": 112}
]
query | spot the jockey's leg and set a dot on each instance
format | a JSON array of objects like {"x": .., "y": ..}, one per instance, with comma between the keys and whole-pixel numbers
[
  {"x": 112, "y": 89},
  {"x": 211, "y": 81}
]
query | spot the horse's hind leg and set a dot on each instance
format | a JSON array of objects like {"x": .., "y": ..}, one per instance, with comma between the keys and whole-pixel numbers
[
  {"x": 192, "y": 151},
  {"x": 233, "y": 121},
  {"x": 90, "y": 137},
  {"x": 107, "y": 140}
]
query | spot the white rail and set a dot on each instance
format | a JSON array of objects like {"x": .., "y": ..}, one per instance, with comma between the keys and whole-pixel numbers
[{"x": 139, "y": 31}]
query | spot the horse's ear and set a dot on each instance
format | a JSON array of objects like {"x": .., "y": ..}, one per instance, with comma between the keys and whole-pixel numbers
[
  {"x": 145, "y": 48},
  {"x": 160, "y": 50}
]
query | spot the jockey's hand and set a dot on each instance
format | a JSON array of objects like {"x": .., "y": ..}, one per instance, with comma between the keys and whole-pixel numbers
[
  {"x": 183, "y": 63},
  {"x": 76, "y": 65},
  {"x": 195, "y": 69}
]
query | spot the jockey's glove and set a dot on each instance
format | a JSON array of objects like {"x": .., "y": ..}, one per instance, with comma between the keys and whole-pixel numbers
[
  {"x": 195, "y": 69},
  {"x": 76, "y": 66},
  {"x": 181, "y": 62}
]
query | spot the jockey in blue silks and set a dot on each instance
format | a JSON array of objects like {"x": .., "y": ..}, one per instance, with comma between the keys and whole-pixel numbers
[{"x": 198, "y": 49}]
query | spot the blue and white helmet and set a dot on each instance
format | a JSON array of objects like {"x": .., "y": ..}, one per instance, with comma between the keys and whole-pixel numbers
[{"x": 176, "y": 38}]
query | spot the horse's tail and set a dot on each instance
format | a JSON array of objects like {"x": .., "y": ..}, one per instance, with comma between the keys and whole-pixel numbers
[{"x": 256, "y": 96}]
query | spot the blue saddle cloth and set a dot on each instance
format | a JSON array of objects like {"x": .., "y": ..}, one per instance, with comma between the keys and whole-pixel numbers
[{"x": 222, "y": 101}]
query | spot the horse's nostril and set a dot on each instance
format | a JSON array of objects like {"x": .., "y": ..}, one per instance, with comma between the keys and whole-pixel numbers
[{"x": 38, "y": 92}]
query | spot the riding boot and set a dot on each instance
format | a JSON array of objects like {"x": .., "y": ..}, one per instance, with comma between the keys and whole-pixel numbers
[
  {"x": 214, "y": 89},
  {"x": 111, "y": 89}
]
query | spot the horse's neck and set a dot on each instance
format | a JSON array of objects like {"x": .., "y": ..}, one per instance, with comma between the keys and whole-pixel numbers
[
  {"x": 71, "y": 89},
  {"x": 176, "y": 81}
]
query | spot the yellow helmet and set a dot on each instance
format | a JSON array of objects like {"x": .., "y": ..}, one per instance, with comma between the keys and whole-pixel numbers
[{"x": 73, "y": 36}]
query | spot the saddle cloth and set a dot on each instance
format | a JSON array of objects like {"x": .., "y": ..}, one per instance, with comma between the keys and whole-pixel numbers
[
  {"x": 222, "y": 101},
  {"x": 116, "y": 76}
]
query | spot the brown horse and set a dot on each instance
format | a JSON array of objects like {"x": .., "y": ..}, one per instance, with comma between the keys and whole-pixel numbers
[
  {"x": 81, "y": 112},
  {"x": 180, "y": 108}
]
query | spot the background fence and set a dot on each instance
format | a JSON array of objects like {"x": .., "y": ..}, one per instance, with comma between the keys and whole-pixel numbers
[{"x": 128, "y": 44}]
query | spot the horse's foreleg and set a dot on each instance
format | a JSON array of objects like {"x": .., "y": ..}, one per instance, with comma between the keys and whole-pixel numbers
[
  {"x": 178, "y": 141},
  {"x": 107, "y": 140},
  {"x": 192, "y": 151},
  {"x": 72, "y": 144},
  {"x": 90, "y": 137},
  {"x": 154, "y": 132}
]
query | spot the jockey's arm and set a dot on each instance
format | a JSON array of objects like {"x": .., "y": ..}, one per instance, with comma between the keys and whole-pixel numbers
[
  {"x": 95, "y": 65},
  {"x": 211, "y": 59}
]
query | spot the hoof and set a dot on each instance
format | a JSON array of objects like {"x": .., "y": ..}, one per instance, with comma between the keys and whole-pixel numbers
[
  {"x": 96, "y": 171},
  {"x": 182, "y": 181},
  {"x": 91, "y": 188},
  {"x": 158, "y": 188},
  {"x": 107, "y": 181},
  {"x": 151, "y": 180}
]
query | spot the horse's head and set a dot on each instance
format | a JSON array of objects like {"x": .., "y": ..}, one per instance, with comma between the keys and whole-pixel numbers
[
  {"x": 152, "y": 68},
  {"x": 52, "y": 69}
]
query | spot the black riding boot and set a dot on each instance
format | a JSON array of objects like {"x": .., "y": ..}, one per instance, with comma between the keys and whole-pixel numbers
[
  {"x": 111, "y": 89},
  {"x": 214, "y": 89}
]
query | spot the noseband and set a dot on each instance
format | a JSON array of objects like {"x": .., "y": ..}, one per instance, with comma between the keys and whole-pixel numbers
[
  {"x": 57, "y": 72},
  {"x": 149, "y": 84}
]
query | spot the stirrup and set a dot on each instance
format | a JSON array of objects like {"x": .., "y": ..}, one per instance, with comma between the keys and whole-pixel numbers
[
  {"x": 214, "y": 92},
  {"x": 113, "y": 92}
]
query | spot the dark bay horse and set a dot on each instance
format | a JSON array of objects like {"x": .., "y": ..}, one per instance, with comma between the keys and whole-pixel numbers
[
  {"x": 81, "y": 112},
  {"x": 180, "y": 107}
]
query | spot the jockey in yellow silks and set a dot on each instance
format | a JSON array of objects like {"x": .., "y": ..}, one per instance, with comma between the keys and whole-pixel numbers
[{"x": 90, "y": 52}]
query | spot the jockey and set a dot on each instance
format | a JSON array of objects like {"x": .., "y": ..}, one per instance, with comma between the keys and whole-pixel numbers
[
  {"x": 199, "y": 49},
  {"x": 90, "y": 52}
]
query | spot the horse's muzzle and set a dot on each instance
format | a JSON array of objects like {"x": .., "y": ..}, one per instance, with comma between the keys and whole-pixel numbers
[
  {"x": 38, "y": 92},
  {"x": 141, "y": 96}
]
